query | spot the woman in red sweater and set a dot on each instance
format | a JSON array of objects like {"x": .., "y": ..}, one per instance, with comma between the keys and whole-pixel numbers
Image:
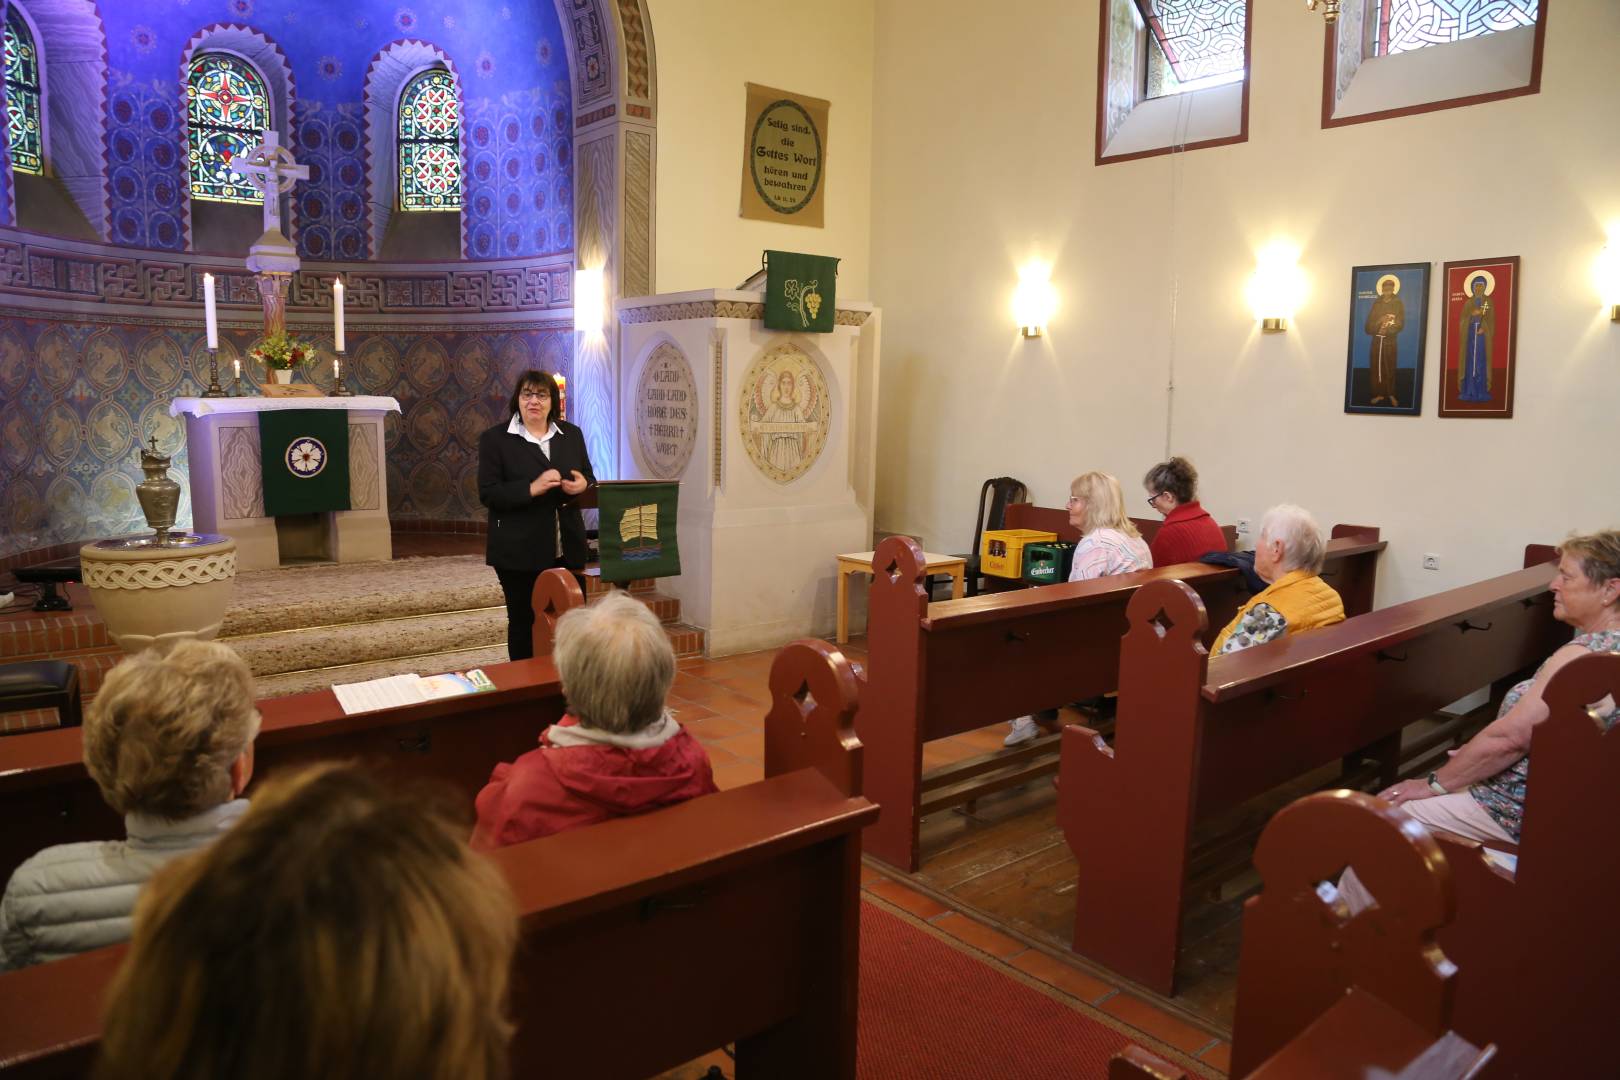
[{"x": 1188, "y": 532}]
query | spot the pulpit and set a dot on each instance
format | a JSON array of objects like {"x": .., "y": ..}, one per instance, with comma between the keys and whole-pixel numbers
[
  {"x": 227, "y": 483},
  {"x": 773, "y": 437}
]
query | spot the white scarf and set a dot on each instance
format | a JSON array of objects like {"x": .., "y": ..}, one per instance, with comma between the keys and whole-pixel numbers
[{"x": 653, "y": 735}]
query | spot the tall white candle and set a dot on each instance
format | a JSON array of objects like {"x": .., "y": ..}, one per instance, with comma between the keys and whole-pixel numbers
[
  {"x": 337, "y": 314},
  {"x": 209, "y": 312},
  {"x": 236, "y": 366}
]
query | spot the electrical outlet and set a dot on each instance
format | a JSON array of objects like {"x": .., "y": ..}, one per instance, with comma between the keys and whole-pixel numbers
[
  {"x": 1243, "y": 526},
  {"x": 1431, "y": 561}
]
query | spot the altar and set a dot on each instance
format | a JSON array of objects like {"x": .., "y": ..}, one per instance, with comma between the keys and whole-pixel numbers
[{"x": 227, "y": 482}]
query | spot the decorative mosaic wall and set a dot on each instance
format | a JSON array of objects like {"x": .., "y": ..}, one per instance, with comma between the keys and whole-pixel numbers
[
  {"x": 514, "y": 80},
  {"x": 77, "y": 397}
]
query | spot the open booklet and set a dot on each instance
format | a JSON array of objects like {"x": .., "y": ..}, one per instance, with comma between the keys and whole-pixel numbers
[{"x": 396, "y": 690}]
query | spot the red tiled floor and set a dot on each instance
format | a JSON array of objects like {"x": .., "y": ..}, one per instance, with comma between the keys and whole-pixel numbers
[
  {"x": 869, "y": 875},
  {"x": 688, "y": 711},
  {"x": 979, "y": 936},
  {"x": 908, "y": 899},
  {"x": 1060, "y": 976},
  {"x": 1161, "y": 1025},
  {"x": 737, "y": 773},
  {"x": 748, "y": 744},
  {"x": 713, "y": 728}
]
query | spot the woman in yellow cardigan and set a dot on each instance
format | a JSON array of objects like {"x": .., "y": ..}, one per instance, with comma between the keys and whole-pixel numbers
[{"x": 1288, "y": 555}]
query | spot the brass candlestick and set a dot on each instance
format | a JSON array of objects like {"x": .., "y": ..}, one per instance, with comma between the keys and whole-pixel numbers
[
  {"x": 214, "y": 389},
  {"x": 338, "y": 389}
]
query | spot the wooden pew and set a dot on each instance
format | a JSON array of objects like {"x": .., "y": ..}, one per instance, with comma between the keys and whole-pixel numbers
[
  {"x": 47, "y": 797},
  {"x": 1537, "y": 950},
  {"x": 940, "y": 669},
  {"x": 736, "y": 915},
  {"x": 1321, "y": 997},
  {"x": 1196, "y": 736}
]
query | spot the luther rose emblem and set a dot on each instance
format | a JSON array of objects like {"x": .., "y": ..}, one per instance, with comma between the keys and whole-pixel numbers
[{"x": 306, "y": 457}]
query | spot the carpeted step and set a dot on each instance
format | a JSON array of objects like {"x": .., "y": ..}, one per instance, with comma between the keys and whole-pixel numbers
[
  {"x": 303, "y": 682},
  {"x": 298, "y": 597},
  {"x": 281, "y": 651}
]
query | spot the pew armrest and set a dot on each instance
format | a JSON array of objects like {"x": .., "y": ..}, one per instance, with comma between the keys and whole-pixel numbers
[{"x": 564, "y": 877}]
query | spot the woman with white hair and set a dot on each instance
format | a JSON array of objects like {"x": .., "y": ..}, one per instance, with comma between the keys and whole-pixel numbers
[
  {"x": 169, "y": 741},
  {"x": 618, "y": 751},
  {"x": 1288, "y": 555},
  {"x": 1109, "y": 544}
]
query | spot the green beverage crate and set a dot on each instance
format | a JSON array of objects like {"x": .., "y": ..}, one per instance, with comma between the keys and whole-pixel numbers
[{"x": 1047, "y": 564}]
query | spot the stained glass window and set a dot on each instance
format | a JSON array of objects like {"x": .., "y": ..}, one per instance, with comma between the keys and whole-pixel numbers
[
  {"x": 430, "y": 143},
  {"x": 1404, "y": 25},
  {"x": 1193, "y": 44},
  {"x": 22, "y": 97},
  {"x": 227, "y": 113}
]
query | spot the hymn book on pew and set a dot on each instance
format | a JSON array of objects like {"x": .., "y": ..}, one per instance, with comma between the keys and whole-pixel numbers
[{"x": 396, "y": 690}]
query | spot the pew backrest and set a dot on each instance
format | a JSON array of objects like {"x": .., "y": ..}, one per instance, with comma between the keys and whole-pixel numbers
[{"x": 736, "y": 912}]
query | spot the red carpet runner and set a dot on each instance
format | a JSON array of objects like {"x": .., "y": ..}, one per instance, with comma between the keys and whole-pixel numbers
[{"x": 932, "y": 1012}]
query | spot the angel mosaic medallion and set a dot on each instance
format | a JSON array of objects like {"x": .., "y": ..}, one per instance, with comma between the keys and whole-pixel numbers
[{"x": 785, "y": 412}]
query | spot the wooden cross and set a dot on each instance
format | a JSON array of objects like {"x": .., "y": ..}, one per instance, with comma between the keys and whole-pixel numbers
[{"x": 270, "y": 168}]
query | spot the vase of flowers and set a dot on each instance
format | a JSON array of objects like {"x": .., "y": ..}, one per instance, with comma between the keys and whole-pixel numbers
[{"x": 280, "y": 355}]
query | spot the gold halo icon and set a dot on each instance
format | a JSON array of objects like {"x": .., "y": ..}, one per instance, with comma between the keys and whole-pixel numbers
[
  {"x": 1379, "y": 287},
  {"x": 1468, "y": 281}
]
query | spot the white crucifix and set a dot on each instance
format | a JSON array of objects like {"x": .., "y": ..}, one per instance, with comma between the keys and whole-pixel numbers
[{"x": 270, "y": 168}]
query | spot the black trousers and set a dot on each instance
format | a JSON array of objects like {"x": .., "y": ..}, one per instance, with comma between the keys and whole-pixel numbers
[{"x": 518, "y": 585}]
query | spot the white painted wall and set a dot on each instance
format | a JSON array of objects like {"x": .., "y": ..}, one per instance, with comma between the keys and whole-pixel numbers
[
  {"x": 706, "y": 50},
  {"x": 983, "y": 137}
]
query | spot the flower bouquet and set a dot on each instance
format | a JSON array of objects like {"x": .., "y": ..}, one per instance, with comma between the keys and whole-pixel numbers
[{"x": 280, "y": 354}]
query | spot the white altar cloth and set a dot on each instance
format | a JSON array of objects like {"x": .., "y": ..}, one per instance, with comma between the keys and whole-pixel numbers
[{"x": 197, "y": 406}]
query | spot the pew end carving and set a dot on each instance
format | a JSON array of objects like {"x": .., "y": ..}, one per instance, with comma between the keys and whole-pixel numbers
[
  {"x": 1162, "y": 659},
  {"x": 815, "y": 694},
  {"x": 556, "y": 593},
  {"x": 1536, "y": 948},
  {"x": 1300, "y": 955},
  {"x": 1229, "y": 729}
]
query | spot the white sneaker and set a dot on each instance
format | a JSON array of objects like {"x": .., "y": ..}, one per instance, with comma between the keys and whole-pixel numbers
[{"x": 1024, "y": 729}]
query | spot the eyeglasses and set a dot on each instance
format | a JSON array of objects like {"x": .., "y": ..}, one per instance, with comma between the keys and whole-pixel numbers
[
  {"x": 1074, "y": 499},
  {"x": 534, "y": 395},
  {"x": 1153, "y": 500}
]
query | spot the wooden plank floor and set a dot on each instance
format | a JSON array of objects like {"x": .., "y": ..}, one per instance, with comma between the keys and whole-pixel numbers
[{"x": 1006, "y": 860}]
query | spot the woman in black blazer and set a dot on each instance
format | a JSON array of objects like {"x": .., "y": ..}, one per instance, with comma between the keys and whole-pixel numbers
[{"x": 530, "y": 469}]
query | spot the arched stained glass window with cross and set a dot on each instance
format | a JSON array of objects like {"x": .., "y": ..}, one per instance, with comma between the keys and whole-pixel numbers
[
  {"x": 227, "y": 113},
  {"x": 430, "y": 143},
  {"x": 22, "y": 97}
]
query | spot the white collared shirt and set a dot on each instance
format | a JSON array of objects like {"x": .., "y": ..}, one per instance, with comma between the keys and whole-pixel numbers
[{"x": 516, "y": 427}]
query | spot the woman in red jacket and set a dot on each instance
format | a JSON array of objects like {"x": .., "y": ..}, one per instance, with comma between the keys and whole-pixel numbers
[
  {"x": 617, "y": 752},
  {"x": 1188, "y": 532}
]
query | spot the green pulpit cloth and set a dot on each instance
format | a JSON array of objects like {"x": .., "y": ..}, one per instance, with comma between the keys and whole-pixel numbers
[
  {"x": 801, "y": 292},
  {"x": 304, "y": 456},
  {"x": 636, "y": 533}
]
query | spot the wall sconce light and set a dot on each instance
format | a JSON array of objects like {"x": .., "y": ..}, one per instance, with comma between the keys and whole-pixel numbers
[
  {"x": 590, "y": 301},
  {"x": 1607, "y": 272},
  {"x": 1330, "y": 9},
  {"x": 1034, "y": 300},
  {"x": 1277, "y": 287}
]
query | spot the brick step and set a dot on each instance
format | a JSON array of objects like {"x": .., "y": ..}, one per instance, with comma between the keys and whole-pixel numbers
[{"x": 595, "y": 586}]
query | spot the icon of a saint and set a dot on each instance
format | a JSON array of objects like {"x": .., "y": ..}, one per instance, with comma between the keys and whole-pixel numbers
[
  {"x": 1476, "y": 330},
  {"x": 1385, "y": 320}
]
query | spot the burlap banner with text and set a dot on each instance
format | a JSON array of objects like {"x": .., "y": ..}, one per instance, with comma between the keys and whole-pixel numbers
[{"x": 784, "y": 157}]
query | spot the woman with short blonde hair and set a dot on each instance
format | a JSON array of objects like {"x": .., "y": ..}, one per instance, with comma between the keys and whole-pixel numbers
[
  {"x": 1109, "y": 544},
  {"x": 169, "y": 741},
  {"x": 341, "y": 930}
]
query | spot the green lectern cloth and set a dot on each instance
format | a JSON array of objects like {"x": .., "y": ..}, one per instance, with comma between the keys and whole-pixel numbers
[
  {"x": 801, "y": 292},
  {"x": 305, "y": 460},
  {"x": 636, "y": 532}
]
